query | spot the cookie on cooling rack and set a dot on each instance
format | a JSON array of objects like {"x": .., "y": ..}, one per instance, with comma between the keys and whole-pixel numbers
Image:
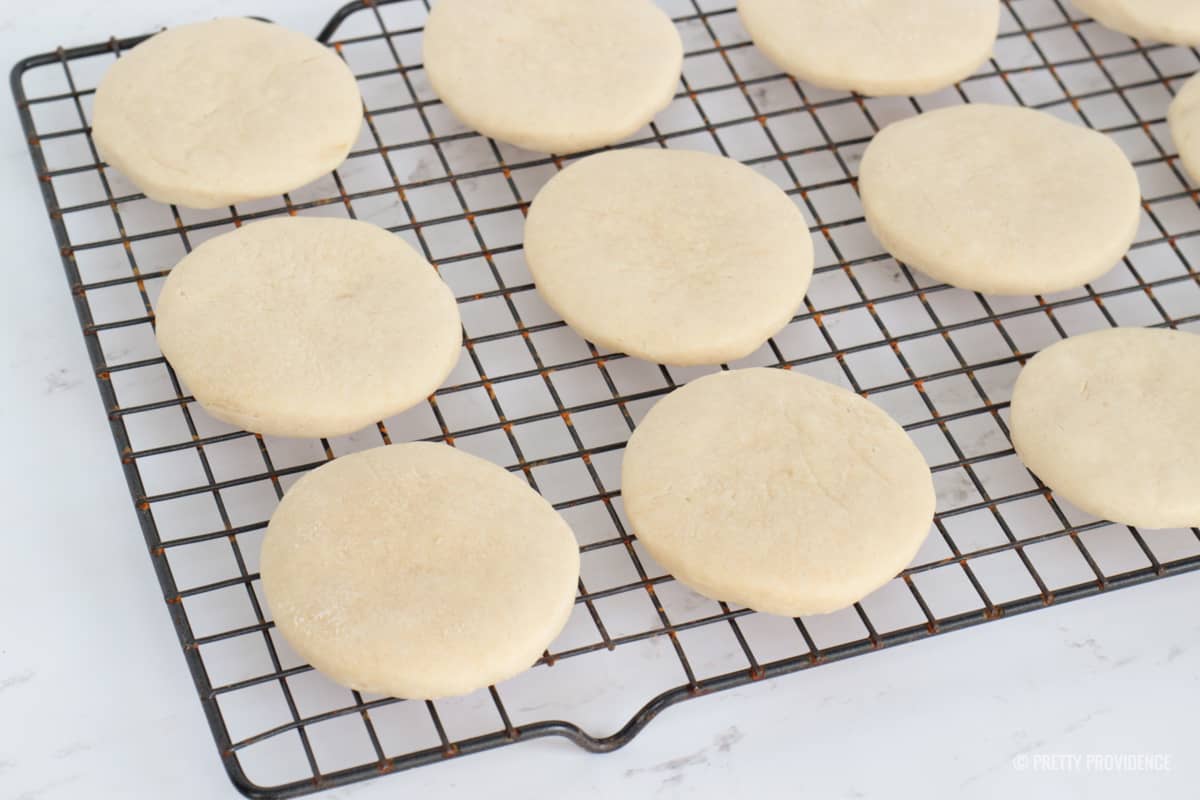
[
  {"x": 678, "y": 257},
  {"x": 1170, "y": 21},
  {"x": 214, "y": 113},
  {"x": 1183, "y": 117},
  {"x": 776, "y": 491},
  {"x": 875, "y": 47},
  {"x": 554, "y": 76},
  {"x": 418, "y": 571},
  {"x": 1108, "y": 421},
  {"x": 307, "y": 326},
  {"x": 1000, "y": 199}
]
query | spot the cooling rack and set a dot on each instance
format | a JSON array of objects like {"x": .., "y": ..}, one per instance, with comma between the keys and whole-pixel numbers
[{"x": 531, "y": 395}]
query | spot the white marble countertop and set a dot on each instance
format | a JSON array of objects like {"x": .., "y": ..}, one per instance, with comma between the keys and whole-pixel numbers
[{"x": 1028, "y": 706}]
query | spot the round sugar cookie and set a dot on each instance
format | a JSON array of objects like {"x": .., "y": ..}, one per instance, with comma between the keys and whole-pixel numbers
[
  {"x": 1170, "y": 21},
  {"x": 1108, "y": 420},
  {"x": 307, "y": 326},
  {"x": 675, "y": 256},
  {"x": 1000, "y": 199},
  {"x": 776, "y": 491},
  {"x": 1183, "y": 118},
  {"x": 875, "y": 47},
  {"x": 214, "y": 113},
  {"x": 418, "y": 571},
  {"x": 555, "y": 76}
]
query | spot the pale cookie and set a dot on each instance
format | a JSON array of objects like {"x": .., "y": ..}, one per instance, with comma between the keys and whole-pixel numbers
[
  {"x": 776, "y": 491},
  {"x": 307, "y": 326},
  {"x": 675, "y": 256},
  {"x": 1108, "y": 420},
  {"x": 1000, "y": 199},
  {"x": 418, "y": 571},
  {"x": 1170, "y": 21},
  {"x": 875, "y": 47},
  {"x": 555, "y": 76},
  {"x": 214, "y": 113},
  {"x": 1183, "y": 117}
]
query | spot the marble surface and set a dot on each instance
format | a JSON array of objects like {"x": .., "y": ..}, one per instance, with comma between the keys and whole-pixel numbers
[{"x": 95, "y": 700}]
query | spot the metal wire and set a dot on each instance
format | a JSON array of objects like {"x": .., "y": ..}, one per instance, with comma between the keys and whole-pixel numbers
[{"x": 864, "y": 307}]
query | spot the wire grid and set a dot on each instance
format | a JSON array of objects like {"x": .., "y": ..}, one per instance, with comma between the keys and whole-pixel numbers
[{"x": 531, "y": 395}]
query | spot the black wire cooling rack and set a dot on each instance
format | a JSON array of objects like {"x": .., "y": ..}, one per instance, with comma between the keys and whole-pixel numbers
[{"x": 529, "y": 394}]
